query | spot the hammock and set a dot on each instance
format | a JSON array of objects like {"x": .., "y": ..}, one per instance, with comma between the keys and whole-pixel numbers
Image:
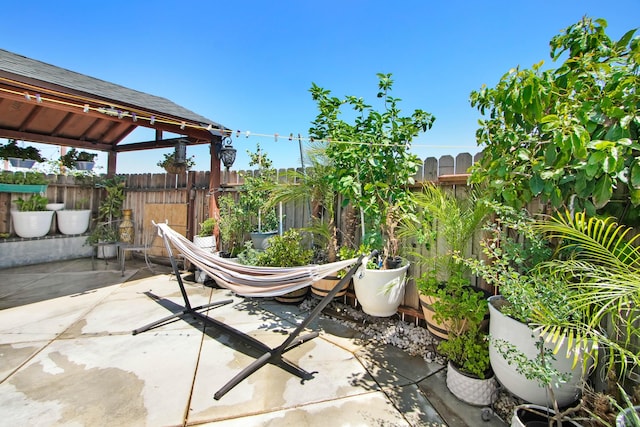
[{"x": 249, "y": 280}]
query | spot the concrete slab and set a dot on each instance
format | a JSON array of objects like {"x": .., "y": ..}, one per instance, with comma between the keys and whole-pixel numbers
[
  {"x": 72, "y": 360},
  {"x": 365, "y": 410}
]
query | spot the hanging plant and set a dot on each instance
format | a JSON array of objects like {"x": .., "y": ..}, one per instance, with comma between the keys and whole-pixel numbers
[
  {"x": 169, "y": 163},
  {"x": 11, "y": 150},
  {"x": 75, "y": 159}
]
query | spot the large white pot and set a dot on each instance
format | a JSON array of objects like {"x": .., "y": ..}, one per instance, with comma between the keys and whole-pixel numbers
[
  {"x": 205, "y": 242},
  {"x": 505, "y": 328},
  {"x": 31, "y": 224},
  {"x": 472, "y": 390},
  {"x": 380, "y": 292},
  {"x": 73, "y": 221}
]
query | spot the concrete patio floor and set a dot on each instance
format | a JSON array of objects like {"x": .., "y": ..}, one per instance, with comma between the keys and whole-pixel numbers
[{"x": 68, "y": 358}]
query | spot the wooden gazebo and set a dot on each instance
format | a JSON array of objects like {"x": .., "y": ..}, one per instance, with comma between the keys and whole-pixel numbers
[{"x": 43, "y": 103}]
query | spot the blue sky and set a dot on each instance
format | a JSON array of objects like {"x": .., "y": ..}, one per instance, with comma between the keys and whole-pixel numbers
[{"x": 249, "y": 64}]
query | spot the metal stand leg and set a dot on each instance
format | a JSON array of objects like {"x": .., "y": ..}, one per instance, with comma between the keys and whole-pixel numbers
[{"x": 270, "y": 355}]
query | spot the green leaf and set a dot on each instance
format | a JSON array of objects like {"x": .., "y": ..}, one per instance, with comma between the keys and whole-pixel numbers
[
  {"x": 536, "y": 184},
  {"x": 634, "y": 178},
  {"x": 602, "y": 191}
]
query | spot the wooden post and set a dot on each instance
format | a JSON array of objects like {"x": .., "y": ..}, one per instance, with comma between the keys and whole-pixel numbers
[
  {"x": 112, "y": 161},
  {"x": 214, "y": 190}
]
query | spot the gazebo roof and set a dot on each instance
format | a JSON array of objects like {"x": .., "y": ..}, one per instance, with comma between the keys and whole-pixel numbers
[{"x": 40, "y": 102}]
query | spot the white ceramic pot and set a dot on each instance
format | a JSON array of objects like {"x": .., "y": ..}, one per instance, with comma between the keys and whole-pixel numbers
[
  {"x": 380, "y": 292},
  {"x": 205, "y": 242},
  {"x": 32, "y": 224},
  {"x": 505, "y": 328},
  {"x": 106, "y": 250},
  {"x": 534, "y": 416},
  {"x": 472, "y": 390},
  {"x": 55, "y": 206},
  {"x": 73, "y": 221}
]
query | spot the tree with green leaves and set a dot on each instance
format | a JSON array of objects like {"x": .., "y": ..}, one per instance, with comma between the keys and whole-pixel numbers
[
  {"x": 568, "y": 135},
  {"x": 372, "y": 165}
]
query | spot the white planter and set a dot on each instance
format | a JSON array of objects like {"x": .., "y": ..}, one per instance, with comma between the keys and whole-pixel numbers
[
  {"x": 31, "y": 223},
  {"x": 206, "y": 242},
  {"x": 505, "y": 328},
  {"x": 380, "y": 292},
  {"x": 523, "y": 417},
  {"x": 55, "y": 206},
  {"x": 73, "y": 221},
  {"x": 474, "y": 391},
  {"x": 261, "y": 240},
  {"x": 106, "y": 250}
]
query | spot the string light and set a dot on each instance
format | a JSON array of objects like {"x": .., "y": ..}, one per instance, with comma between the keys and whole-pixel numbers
[{"x": 122, "y": 112}]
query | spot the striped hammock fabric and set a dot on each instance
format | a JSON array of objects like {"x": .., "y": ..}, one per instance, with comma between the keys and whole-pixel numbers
[{"x": 248, "y": 280}]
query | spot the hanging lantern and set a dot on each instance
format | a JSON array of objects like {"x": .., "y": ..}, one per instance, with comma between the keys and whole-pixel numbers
[
  {"x": 180, "y": 153},
  {"x": 226, "y": 152}
]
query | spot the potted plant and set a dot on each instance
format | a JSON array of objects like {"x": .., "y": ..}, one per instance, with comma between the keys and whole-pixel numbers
[
  {"x": 106, "y": 233},
  {"x": 233, "y": 224},
  {"x": 78, "y": 160},
  {"x": 374, "y": 171},
  {"x": 450, "y": 222},
  {"x": 522, "y": 362},
  {"x": 287, "y": 250},
  {"x": 23, "y": 157},
  {"x": 469, "y": 374},
  {"x": 169, "y": 164},
  {"x": 32, "y": 219},
  {"x": 205, "y": 238},
  {"x": 23, "y": 182},
  {"x": 256, "y": 189}
]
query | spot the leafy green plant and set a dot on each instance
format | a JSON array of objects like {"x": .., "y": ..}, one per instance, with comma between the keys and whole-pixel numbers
[
  {"x": 256, "y": 190},
  {"x": 35, "y": 203},
  {"x": 568, "y": 135},
  {"x": 169, "y": 160},
  {"x": 468, "y": 351},
  {"x": 233, "y": 225},
  {"x": 287, "y": 250},
  {"x": 312, "y": 185},
  {"x": 207, "y": 227},
  {"x": 103, "y": 232},
  {"x": 12, "y": 150},
  {"x": 72, "y": 156},
  {"x": 23, "y": 178},
  {"x": 600, "y": 261},
  {"x": 373, "y": 165},
  {"x": 109, "y": 211}
]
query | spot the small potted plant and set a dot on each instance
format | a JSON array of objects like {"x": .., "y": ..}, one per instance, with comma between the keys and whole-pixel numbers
[
  {"x": 106, "y": 233},
  {"x": 78, "y": 160},
  {"x": 169, "y": 164},
  {"x": 32, "y": 219},
  {"x": 233, "y": 225},
  {"x": 287, "y": 250},
  {"x": 256, "y": 190},
  {"x": 22, "y": 157},
  {"x": 205, "y": 238}
]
